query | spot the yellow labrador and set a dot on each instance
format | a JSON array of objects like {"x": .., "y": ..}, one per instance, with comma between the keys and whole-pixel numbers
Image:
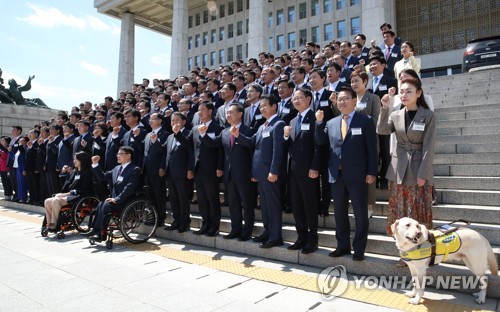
[{"x": 473, "y": 249}]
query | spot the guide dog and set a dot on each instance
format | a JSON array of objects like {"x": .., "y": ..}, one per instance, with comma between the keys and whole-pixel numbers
[{"x": 472, "y": 248}]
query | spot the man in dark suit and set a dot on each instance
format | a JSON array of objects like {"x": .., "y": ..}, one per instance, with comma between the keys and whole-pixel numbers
[
  {"x": 267, "y": 78},
  {"x": 178, "y": 167},
  {"x": 53, "y": 182},
  {"x": 333, "y": 78},
  {"x": 13, "y": 148},
  {"x": 227, "y": 95},
  {"x": 380, "y": 87},
  {"x": 268, "y": 168},
  {"x": 84, "y": 142},
  {"x": 241, "y": 93},
  {"x": 65, "y": 147},
  {"x": 253, "y": 118},
  {"x": 392, "y": 52},
  {"x": 321, "y": 101},
  {"x": 350, "y": 60},
  {"x": 123, "y": 180},
  {"x": 32, "y": 177},
  {"x": 114, "y": 139},
  {"x": 237, "y": 174},
  {"x": 208, "y": 167},
  {"x": 286, "y": 111},
  {"x": 41, "y": 164},
  {"x": 361, "y": 40},
  {"x": 153, "y": 154},
  {"x": 135, "y": 136},
  {"x": 303, "y": 172},
  {"x": 352, "y": 166}
]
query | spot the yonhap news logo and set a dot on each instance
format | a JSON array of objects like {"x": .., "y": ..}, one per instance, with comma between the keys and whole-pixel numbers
[{"x": 332, "y": 282}]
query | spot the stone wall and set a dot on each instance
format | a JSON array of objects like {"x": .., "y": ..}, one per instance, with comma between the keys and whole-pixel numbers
[{"x": 24, "y": 116}]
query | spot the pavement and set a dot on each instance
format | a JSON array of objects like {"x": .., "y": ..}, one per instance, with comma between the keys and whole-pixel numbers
[{"x": 50, "y": 274}]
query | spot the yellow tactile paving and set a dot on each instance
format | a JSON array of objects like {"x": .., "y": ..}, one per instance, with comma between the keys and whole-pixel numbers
[{"x": 382, "y": 297}]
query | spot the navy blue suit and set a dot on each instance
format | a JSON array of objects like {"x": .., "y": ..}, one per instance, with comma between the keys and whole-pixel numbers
[
  {"x": 287, "y": 112},
  {"x": 112, "y": 147},
  {"x": 356, "y": 156},
  {"x": 237, "y": 176},
  {"x": 394, "y": 57},
  {"x": 65, "y": 152},
  {"x": 137, "y": 143},
  {"x": 303, "y": 154},
  {"x": 123, "y": 187},
  {"x": 269, "y": 157}
]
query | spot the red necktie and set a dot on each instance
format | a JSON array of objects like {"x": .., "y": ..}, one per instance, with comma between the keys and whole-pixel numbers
[{"x": 231, "y": 140}]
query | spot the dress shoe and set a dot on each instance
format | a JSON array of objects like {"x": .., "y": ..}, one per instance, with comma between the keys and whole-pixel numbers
[
  {"x": 339, "y": 253},
  {"x": 260, "y": 239},
  {"x": 201, "y": 231},
  {"x": 231, "y": 235},
  {"x": 183, "y": 229},
  {"x": 357, "y": 257},
  {"x": 90, "y": 233},
  {"x": 309, "y": 249},
  {"x": 98, "y": 238},
  {"x": 244, "y": 238},
  {"x": 299, "y": 244},
  {"x": 384, "y": 184},
  {"x": 212, "y": 232},
  {"x": 271, "y": 243}
]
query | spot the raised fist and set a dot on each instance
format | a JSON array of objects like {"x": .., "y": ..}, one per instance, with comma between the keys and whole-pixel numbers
[
  {"x": 286, "y": 131},
  {"x": 319, "y": 116}
]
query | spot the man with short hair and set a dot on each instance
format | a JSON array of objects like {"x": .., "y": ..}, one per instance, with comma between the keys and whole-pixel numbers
[
  {"x": 135, "y": 136},
  {"x": 350, "y": 60},
  {"x": 267, "y": 79},
  {"x": 320, "y": 61},
  {"x": 252, "y": 117},
  {"x": 227, "y": 94},
  {"x": 113, "y": 141},
  {"x": 392, "y": 52}
]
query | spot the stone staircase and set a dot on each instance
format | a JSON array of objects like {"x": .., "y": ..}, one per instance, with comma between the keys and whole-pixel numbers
[{"x": 467, "y": 179}]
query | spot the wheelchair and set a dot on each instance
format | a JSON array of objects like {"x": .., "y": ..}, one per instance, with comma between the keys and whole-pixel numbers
[
  {"x": 73, "y": 217},
  {"x": 136, "y": 222}
]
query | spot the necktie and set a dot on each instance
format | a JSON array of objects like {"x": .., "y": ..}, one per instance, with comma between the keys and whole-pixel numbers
[
  {"x": 120, "y": 171},
  {"x": 298, "y": 125},
  {"x": 343, "y": 128},
  {"x": 236, "y": 96},
  {"x": 253, "y": 112},
  {"x": 281, "y": 106},
  {"x": 388, "y": 53},
  {"x": 231, "y": 140},
  {"x": 375, "y": 83},
  {"x": 316, "y": 101},
  {"x": 265, "y": 125},
  {"x": 267, "y": 90}
]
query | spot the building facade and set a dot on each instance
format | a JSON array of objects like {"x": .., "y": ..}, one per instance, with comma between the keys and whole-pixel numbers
[{"x": 213, "y": 33}]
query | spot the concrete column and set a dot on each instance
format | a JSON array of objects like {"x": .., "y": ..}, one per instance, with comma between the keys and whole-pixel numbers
[
  {"x": 258, "y": 32},
  {"x": 179, "y": 51},
  {"x": 374, "y": 14},
  {"x": 126, "y": 58}
]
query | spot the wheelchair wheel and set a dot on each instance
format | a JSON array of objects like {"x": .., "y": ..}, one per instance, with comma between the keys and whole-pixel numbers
[
  {"x": 81, "y": 213},
  {"x": 138, "y": 221}
]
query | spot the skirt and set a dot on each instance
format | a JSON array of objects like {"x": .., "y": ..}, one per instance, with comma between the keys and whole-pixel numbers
[{"x": 411, "y": 201}]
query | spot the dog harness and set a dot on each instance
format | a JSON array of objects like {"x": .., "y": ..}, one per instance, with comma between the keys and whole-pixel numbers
[{"x": 438, "y": 244}]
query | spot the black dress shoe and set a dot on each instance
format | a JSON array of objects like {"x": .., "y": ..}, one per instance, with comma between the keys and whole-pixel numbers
[
  {"x": 384, "y": 184},
  {"x": 90, "y": 233},
  {"x": 244, "y": 238},
  {"x": 339, "y": 253},
  {"x": 99, "y": 238},
  {"x": 356, "y": 257},
  {"x": 201, "y": 231},
  {"x": 231, "y": 235},
  {"x": 297, "y": 245},
  {"x": 183, "y": 229},
  {"x": 309, "y": 249},
  {"x": 212, "y": 232},
  {"x": 260, "y": 239},
  {"x": 174, "y": 226},
  {"x": 270, "y": 244}
]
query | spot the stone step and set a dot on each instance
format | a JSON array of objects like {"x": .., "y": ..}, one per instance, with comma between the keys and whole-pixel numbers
[
  {"x": 491, "y": 183},
  {"x": 467, "y": 109},
  {"x": 471, "y": 130},
  {"x": 451, "y": 148},
  {"x": 469, "y": 197},
  {"x": 374, "y": 264},
  {"x": 473, "y": 122},
  {"x": 468, "y": 115},
  {"x": 490, "y": 170},
  {"x": 464, "y": 139},
  {"x": 455, "y": 159}
]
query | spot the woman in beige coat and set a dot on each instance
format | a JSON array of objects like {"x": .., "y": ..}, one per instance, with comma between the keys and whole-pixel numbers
[{"x": 411, "y": 172}]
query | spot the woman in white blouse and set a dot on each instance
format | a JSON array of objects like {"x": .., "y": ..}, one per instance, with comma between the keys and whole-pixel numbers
[{"x": 409, "y": 61}]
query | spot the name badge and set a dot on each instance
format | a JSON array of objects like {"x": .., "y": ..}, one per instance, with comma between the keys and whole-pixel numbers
[
  {"x": 394, "y": 55},
  {"x": 382, "y": 88},
  {"x": 96, "y": 146},
  {"x": 119, "y": 179},
  {"x": 342, "y": 79},
  {"x": 364, "y": 54},
  {"x": 286, "y": 111},
  {"x": 211, "y": 134},
  {"x": 177, "y": 143},
  {"x": 351, "y": 66},
  {"x": 16, "y": 145},
  {"x": 131, "y": 139},
  {"x": 305, "y": 127},
  {"x": 418, "y": 126},
  {"x": 356, "y": 131},
  {"x": 361, "y": 105},
  {"x": 266, "y": 134},
  {"x": 323, "y": 103},
  {"x": 77, "y": 177},
  {"x": 258, "y": 117},
  {"x": 242, "y": 101}
]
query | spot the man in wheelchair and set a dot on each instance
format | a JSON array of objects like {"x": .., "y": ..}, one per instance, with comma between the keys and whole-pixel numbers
[{"x": 124, "y": 181}]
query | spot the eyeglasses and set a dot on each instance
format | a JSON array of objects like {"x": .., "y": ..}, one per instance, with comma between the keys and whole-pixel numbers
[{"x": 343, "y": 99}]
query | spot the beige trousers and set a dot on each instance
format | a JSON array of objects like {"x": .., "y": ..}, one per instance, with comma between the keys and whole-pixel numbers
[{"x": 53, "y": 206}]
